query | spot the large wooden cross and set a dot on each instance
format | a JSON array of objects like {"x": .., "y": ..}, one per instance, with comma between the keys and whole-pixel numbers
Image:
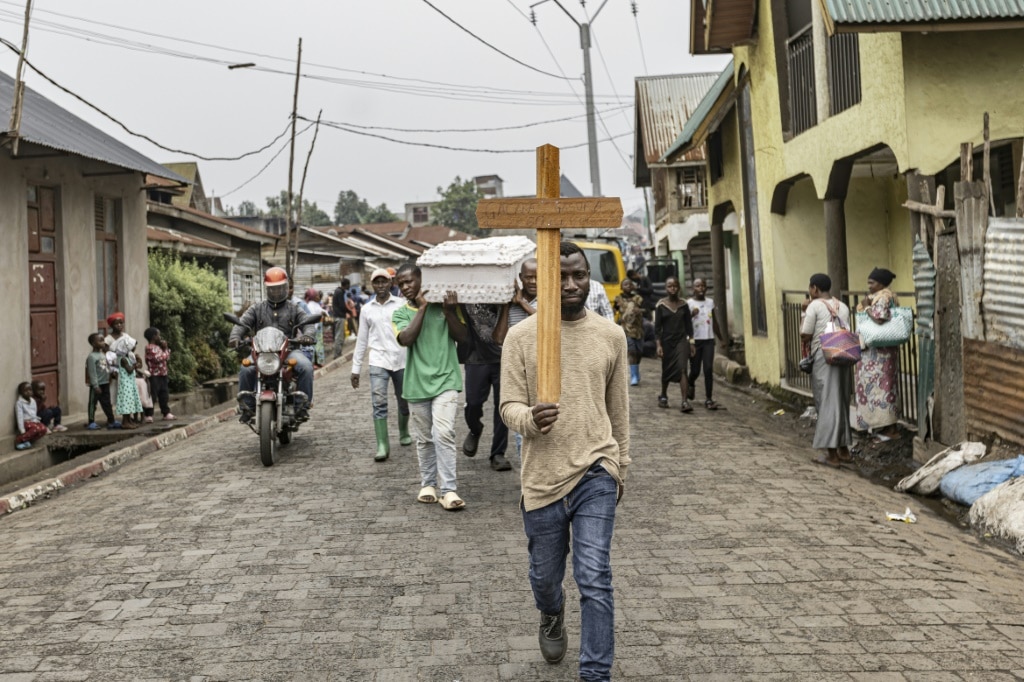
[{"x": 549, "y": 214}]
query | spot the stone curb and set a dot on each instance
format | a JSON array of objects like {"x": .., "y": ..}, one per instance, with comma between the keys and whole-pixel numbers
[{"x": 49, "y": 488}]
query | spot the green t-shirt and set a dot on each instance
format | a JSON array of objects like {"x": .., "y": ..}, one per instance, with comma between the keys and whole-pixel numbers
[{"x": 432, "y": 365}]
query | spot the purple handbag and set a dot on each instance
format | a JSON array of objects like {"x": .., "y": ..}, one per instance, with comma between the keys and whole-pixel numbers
[{"x": 840, "y": 347}]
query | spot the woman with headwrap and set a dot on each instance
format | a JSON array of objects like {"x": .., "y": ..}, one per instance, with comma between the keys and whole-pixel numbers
[
  {"x": 830, "y": 383},
  {"x": 123, "y": 347},
  {"x": 876, "y": 373}
]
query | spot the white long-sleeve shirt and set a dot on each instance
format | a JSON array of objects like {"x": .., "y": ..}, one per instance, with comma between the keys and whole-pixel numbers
[
  {"x": 25, "y": 411},
  {"x": 376, "y": 332}
]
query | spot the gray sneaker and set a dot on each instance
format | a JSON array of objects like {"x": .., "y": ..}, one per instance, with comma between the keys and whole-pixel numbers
[
  {"x": 499, "y": 463},
  {"x": 552, "y": 637}
]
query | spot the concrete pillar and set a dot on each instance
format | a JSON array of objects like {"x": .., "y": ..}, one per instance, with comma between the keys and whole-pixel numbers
[
  {"x": 835, "y": 245},
  {"x": 718, "y": 278},
  {"x": 820, "y": 35}
]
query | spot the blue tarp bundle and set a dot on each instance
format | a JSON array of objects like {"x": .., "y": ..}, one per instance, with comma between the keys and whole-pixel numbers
[{"x": 968, "y": 483}]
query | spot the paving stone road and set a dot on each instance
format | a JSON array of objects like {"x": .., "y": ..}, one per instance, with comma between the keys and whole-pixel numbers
[{"x": 734, "y": 558}]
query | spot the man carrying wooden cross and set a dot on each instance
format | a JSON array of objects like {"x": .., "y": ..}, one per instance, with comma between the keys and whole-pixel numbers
[{"x": 575, "y": 442}]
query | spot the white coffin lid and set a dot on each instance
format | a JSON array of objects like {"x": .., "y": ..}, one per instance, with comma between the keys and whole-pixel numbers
[{"x": 491, "y": 251}]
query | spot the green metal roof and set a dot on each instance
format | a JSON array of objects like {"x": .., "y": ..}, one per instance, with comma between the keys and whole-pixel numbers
[
  {"x": 918, "y": 11},
  {"x": 700, "y": 113}
]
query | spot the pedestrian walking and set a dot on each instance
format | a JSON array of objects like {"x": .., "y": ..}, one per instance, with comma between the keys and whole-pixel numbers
[
  {"x": 705, "y": 331},
  {"x": 673, "y": 330},
  {"x": 432, "y": 383},
  {"x": 575, "y": 458},
  {"x": 339, "y": 312},
  {"x": 387, "y": 361},
  {"x": 522, "y": 306},
  {"x": 830, "y": 383},
  {"x": 483, "y": 378},
  {"x": 630, "y": 307}
]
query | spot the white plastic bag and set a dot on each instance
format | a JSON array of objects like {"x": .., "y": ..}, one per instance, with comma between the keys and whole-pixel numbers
[{"x": 925, "y": 481}]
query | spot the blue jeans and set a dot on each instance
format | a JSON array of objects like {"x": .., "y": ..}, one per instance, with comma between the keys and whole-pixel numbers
[
  {"x": 433, "y": 427},
  {"x": 379, "y": 390},
  {"x": 303, "y": 377},
  {"x": 586, "y": 517}
]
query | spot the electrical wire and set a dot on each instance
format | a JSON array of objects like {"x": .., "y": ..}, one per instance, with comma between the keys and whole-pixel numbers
[
  {"x": 600, "y": 53},
  {"x": 432, "y": 145},
  {"x": 267, "y": 164},
  {"x": 128, "y": 130},
  {"x": 115, "y": 41},
  {"x": 505, "y": 54},
  {"x": 465, "y": 130}
]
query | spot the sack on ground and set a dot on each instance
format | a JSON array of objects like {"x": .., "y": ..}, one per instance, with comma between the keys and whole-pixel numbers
[
  {"x": 926, "y": 480},
  {"x": 1000, "y": 512},
  {"x": 968, "y": 483},
  {"x": 895, "y": 332}
]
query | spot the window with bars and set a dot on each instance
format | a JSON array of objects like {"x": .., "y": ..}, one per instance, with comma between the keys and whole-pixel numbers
[{"x": 690, "y": 189}]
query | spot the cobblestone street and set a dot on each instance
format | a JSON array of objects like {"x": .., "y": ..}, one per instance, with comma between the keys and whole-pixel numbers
[{"x": 734, "y": 558}]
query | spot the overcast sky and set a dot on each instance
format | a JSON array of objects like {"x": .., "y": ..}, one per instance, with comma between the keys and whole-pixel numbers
[{"x": 134, "y": 60}]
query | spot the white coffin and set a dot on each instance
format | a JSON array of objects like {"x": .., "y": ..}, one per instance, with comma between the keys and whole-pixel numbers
[{"x": 479, "y": 270}]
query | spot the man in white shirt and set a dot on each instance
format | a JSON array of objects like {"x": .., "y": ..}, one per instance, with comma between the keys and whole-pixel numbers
[
  {"x": 387, "y": 360},
  {"x": 597, "y": 300}
]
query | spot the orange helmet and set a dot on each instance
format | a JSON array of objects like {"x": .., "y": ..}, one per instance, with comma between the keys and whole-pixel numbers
[{"x": 275, "y": 281}]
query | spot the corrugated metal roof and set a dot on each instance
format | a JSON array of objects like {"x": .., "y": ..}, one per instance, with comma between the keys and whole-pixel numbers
[
  {"x": 44, "y": 123},
  {"x": 663, "y": 106},
  {"x": 701, "y": 111},
  {"x": 918, "y": 11}
]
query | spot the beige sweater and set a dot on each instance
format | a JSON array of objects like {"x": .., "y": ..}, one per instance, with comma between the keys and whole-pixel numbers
[{"x": 593, "y": 419}]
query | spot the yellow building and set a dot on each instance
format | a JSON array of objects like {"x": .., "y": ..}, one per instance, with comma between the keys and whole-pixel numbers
[{"x": 832, "y": 114}]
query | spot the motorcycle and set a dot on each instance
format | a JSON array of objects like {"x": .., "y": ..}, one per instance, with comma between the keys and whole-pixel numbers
[{"x": 279, "y": 404}]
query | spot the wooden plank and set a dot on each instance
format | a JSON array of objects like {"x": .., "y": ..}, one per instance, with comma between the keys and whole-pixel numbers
[
  {"x": 949, "y": 418},
  {"x": 549, "y": 282},
  {"x": 929, "y": 209},
  {"x": 549, "y": 212}
]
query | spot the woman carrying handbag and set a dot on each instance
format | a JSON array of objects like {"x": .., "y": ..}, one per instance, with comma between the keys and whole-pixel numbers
[
  {"x": 876, "y": 373},
  {"x": 830, "y": 381}
]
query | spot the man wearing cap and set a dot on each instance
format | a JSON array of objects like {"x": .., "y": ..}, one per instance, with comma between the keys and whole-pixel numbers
[{"x": 387, "y": 361}]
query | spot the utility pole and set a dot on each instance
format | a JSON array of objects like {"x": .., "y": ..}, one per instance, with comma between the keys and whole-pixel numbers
[
  {"x": 588, "y": 86},
  {"x": 289, "y": 266},
  {"x": 14, "y": 129}
]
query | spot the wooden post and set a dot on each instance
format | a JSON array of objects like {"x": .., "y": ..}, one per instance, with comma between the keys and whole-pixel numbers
[
  {"x": 18, "y": 98},
  {"x": 549, "y": 283},
  {"x": 548, "y": 214}
]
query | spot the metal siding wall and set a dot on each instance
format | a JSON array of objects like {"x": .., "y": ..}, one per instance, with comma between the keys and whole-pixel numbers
[
  {"x": 994, "y": 390},
  {"x": 1004, "y": 282}
]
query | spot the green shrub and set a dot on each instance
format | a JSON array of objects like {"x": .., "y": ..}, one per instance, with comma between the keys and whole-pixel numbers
[{"x": 186, "y": 303}]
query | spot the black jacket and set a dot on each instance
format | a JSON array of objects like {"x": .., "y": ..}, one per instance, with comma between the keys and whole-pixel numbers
[{"x": 285, "y": 316}]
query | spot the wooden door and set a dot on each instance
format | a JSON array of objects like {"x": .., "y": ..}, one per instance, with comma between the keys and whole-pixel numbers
[{"x": 44, "y": 322}]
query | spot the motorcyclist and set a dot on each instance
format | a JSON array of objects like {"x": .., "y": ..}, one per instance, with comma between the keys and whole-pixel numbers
[{"x": 278, "y": 310}]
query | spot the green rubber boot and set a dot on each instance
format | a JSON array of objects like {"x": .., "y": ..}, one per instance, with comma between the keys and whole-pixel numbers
[
  {"x": 403, "y": 429},
  {"x": 380, "y": 427}
]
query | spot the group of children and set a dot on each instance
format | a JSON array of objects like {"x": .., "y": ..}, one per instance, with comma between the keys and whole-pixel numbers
[{"x": 118, "y": 378}]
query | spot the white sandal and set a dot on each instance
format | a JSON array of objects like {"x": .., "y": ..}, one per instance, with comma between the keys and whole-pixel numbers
[
  {"x": 451, "y": 501},
  {"x": 427, "y": 495}
]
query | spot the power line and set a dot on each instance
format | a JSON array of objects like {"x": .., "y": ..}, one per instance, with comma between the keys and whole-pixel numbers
[
  {"x": 468, "y": 130},
  {"x": 267, "y": 165},
  {"x": 115, "y": 41},
  {"x": 128, "y": 130},
  {"x": 505, "y": 54},
  {"x": 432, "y": 145},
  {"x": 611, "y": 81}
]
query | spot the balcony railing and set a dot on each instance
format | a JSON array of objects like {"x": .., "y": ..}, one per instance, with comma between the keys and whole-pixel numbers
[
  {"x": 843, "y": 71},
  {"x": 906, "y": 380},
  {"x": 803, "y": 108}
]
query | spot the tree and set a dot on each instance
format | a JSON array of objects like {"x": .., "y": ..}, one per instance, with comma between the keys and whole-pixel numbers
[
  {"x": 277, "y": 207},
  {"x": 247, "y": 208},
  {"x": 381, "y": 214},
  {"x": 457, "y": 208},
  {"x": 349, "y": 208}
]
